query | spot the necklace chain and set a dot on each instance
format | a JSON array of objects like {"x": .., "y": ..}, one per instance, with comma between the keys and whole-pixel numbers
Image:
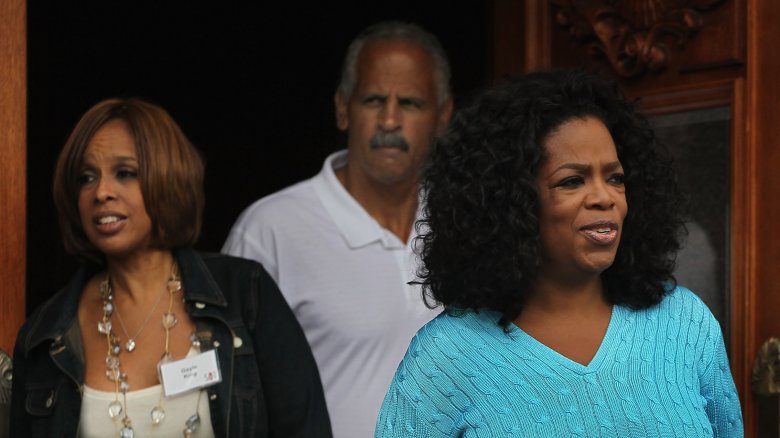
[
  {"x": 130, "y": 344},
  {"x": 114, "y": 371}
]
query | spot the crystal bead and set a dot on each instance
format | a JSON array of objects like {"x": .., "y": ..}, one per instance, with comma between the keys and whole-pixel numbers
[
  {"x": 116, "y": 349},
  {"x": 124, "y": 386},
  {"x": 108, "y": 308},
  {"x": 104, "y": 327},
  {"x": 174, "y": 286},
  {"x": 112, "y": 361},
  {"x": 112, "y": 374},
  {"x": 169, "y": 320},
  {"x": 127, "y": 432},
  {"x": 130, "y": 345},
  {"x": 114, "y": 409},
  {"x": 193, "y": 423},
  {"x": 158, "y": 415}
]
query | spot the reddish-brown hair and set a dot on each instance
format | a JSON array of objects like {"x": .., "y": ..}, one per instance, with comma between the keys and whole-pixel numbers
[{"x": 170, "y": 174}]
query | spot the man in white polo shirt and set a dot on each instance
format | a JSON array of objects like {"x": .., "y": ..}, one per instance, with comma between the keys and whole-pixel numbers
[{"x": 339, "y": 244}]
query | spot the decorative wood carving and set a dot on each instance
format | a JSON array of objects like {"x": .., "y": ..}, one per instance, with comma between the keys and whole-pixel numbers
[{"x": 634, "y": 35}]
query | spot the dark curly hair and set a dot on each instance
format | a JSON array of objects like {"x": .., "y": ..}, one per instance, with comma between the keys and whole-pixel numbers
[{"x": 480, "y": 237}]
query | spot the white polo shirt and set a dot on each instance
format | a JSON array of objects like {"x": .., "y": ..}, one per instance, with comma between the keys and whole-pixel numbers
[{"x": 345, "y": 277}]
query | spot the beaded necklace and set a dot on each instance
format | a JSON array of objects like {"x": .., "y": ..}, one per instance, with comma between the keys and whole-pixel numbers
[{"x": 114, "y": 371}]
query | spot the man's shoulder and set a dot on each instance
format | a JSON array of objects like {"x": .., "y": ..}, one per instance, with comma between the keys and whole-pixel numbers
[
  {"x": 300, "y": 193},
  {"x": 281, "y": 206}
]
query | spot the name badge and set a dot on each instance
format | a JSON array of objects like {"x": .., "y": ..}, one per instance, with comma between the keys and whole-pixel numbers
[{"x": 192, "y": 372}]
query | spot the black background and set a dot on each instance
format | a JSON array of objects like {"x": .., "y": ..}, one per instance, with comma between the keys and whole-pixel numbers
[{"x": 251, "y": 85}]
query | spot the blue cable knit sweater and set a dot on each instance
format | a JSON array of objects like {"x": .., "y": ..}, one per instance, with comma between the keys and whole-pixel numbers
[{"x": 660, "y": 372}]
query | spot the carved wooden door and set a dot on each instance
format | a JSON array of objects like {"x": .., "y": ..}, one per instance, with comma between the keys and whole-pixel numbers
[{"x": 707, "y": 77}]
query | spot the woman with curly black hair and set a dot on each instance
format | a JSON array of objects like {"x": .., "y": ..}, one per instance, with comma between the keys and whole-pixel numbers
[{"x": 553, "y": 219}]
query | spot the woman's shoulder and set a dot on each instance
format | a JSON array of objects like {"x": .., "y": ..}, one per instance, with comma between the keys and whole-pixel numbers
[
  {"x": 219, "y": 265},
  {"x": 683, "y": 301},
  {"x": 447, "y": 354},
  {"x": 227, "y": 261},
  {"x": 227, "y": 280},
  {"x": 54, "y": 316},
  {"x": 683, "y": 305},
  {"x": 456, "y": 321},
  {"x": 456, "y": 333}
]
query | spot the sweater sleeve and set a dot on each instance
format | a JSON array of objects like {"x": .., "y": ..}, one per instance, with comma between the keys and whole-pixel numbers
[
  {"x": 717, "y": 387},
  {"x": 399, "y": 417}
]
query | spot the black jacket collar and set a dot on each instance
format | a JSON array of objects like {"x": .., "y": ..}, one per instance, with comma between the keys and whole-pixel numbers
[{"x": 51, "y": 321}]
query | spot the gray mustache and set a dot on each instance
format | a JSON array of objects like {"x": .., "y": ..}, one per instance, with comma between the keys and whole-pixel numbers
[{"x": 392, "y": 139}]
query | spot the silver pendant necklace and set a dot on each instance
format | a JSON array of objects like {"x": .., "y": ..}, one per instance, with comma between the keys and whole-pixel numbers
[{"x": 130, "y": 344}]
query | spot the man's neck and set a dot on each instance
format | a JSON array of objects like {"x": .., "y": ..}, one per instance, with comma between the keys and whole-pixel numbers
[{"x": 393, "y": 206}]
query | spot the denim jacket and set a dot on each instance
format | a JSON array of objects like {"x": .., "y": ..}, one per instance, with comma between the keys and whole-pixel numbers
[{"x": 270, "y": 384}]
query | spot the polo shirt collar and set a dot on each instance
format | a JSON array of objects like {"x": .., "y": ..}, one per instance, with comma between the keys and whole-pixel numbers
[{"x": 354, "y": 223}]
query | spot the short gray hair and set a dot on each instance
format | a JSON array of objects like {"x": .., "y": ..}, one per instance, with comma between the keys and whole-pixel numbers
[{"x": 397, "y": 31}]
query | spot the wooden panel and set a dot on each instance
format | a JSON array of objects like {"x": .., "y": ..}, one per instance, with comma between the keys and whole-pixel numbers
[
  {"x": 679, "y": 99},
  {"x": 723, "y": 47},
  {"x": 743, "y": 161},
  {"x": 13, "y": 116},
  {"x": 508, "y": 50},
  {"x": 537, "y": 35},
  {"x": 763, "y": 133}
]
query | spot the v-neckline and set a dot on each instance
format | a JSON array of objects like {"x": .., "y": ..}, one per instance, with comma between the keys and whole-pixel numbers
[{"x": 546, "y": 353}]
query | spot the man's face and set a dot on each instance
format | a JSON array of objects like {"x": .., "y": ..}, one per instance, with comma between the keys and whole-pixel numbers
[{"x": 393, "y": 114}]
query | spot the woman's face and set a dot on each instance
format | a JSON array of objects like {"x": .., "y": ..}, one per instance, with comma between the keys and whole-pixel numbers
[
  {"x": 111, "y": 205},
  {"x": 582, "y": 199}
]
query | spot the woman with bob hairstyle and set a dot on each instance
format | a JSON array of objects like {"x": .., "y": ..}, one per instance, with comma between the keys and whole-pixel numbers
[
  {"x": 150, "y": 337},
  {"x": 552, "y": 222}
]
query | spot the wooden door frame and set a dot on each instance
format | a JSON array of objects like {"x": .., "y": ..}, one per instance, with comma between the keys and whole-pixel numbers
[
  {"x": 762, "y": 221},
  {"x": 13, "y": 161},
  {"x": 753, "y": 95}
]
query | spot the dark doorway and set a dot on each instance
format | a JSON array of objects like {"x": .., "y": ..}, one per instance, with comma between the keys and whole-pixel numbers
[{"x": 250, "y": 85}]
